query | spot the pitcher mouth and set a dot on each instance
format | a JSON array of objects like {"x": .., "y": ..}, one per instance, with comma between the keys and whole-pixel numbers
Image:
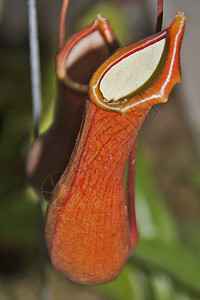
[
  {"x": 84, "y": 52},
  {"x": 141, "y": 74}
]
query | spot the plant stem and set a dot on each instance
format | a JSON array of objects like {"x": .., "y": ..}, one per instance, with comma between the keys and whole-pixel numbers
[{"x": 159, "y": 15}]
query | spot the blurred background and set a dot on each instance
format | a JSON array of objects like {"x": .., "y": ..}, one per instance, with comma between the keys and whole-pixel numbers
[{"x": 166, "y": 262}]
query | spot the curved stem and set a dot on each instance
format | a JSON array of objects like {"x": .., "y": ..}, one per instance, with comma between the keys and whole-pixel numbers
[
  {"x": 61, "y": 34},
  {"x": 159, "y": 15}
]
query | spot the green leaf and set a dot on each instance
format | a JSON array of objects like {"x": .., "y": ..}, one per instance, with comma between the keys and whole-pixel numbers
[
  {"x": 154, "y": 219},
  {"x": 180, "y": 263}
]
